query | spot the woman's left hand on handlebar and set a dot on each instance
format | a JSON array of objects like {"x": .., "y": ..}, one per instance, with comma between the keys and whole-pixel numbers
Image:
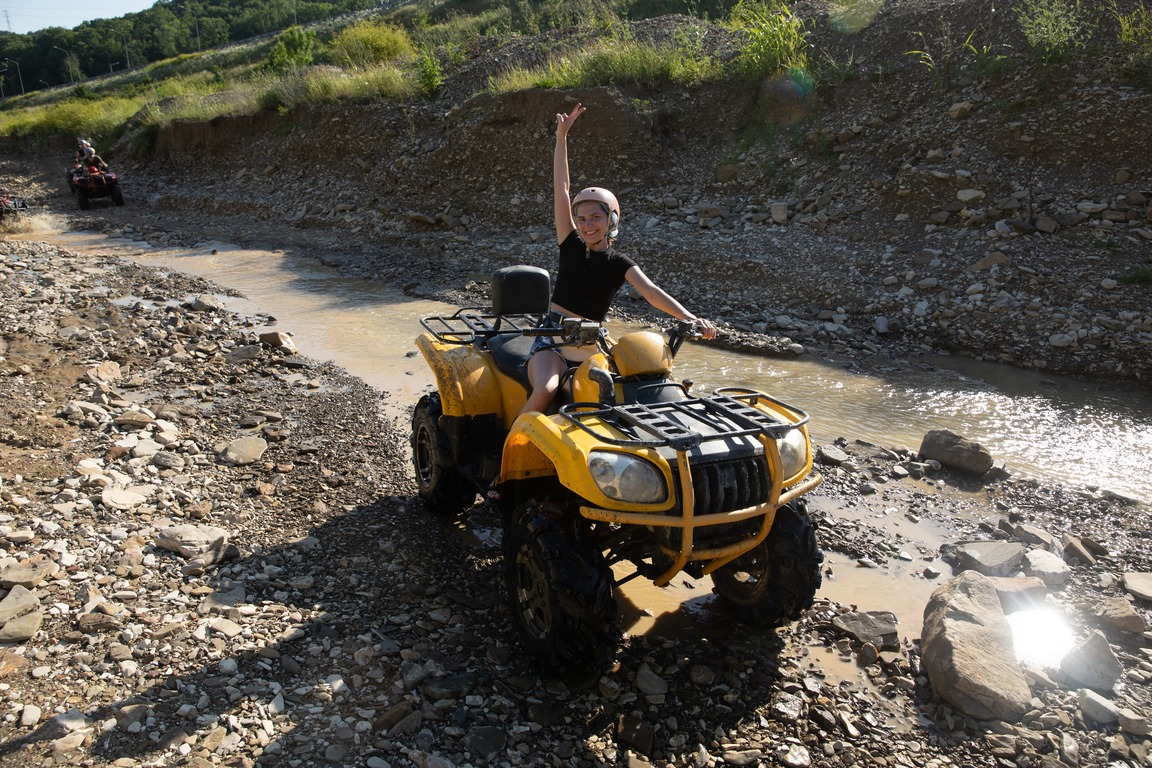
[{"x": 706, "y": 328}]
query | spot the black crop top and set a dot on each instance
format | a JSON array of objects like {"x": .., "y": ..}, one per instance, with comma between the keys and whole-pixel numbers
[{"x": 587, "y": 281}]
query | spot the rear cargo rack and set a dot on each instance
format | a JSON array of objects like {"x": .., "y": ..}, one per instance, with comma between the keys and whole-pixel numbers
[
  {"x": 472, "y": 323},
  {"x": 729, "y": 413}
]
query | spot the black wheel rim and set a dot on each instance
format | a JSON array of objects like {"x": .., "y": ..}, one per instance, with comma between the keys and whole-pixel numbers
[
  {"x": 748, "y": 577},
  {"x": 532, "y": 600},
  {"x": 424, "y": 455}
]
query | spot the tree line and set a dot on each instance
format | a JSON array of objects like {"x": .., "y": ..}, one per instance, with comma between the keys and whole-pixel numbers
[{"x": 57, "y": 56}]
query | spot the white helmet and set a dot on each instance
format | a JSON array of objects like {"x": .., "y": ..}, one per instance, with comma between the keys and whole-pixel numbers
[{"x": 607, "y": 201}]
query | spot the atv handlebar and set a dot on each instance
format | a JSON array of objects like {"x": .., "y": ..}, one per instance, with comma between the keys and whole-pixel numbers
[{"x": 681, "y": 332}]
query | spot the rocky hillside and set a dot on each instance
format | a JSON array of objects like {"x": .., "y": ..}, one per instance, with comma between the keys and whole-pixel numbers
[{"x": 905, "y": 204}]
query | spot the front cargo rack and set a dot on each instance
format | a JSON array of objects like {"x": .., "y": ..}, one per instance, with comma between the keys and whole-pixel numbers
[
  {"x": 685, "y": 424},
  {"x": 472, "y": 323}
]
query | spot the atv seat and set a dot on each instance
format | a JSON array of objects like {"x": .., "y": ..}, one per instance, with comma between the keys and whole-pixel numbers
[
  {"x": 519, "y": 290},
  {"x": 510, "y": 353}
]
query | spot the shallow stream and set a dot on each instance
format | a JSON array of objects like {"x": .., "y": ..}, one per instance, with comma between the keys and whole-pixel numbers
[{"x": 1056, "y": 428}]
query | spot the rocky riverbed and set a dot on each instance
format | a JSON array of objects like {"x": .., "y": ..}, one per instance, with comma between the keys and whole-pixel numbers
[
  {"x": 210, "y": 548},
  {"x": 212, "y": 555}
]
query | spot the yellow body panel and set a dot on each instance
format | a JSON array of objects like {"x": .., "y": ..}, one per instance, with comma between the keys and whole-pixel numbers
[
  {"x": 584, "y": 389},
  {"x": 468, "y": 382},
  {"x": 542, "y": 445},
  {"x": 642, "y": 352}
]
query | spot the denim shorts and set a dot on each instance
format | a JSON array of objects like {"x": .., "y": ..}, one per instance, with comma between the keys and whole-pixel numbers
[
  {"x": 572, "y": 355},
  {"x": 552, "y": 321}
]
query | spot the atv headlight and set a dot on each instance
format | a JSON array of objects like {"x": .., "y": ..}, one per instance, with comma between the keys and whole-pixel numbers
[
  {"x": 627, "y": 478},
  {"x": 793, "y": 452}
]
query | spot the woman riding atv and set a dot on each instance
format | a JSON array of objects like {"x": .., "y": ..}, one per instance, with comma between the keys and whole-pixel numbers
[{"x": 590, "y": 270}]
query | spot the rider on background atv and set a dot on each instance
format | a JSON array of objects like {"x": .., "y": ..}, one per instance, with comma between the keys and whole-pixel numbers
[
  {"x": 590, "y": 271},
  {"x": 91, "y": 160},
  {"x": 81, "y": 145}
]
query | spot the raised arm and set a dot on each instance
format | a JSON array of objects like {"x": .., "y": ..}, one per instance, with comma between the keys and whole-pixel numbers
[{"x": 561, "y": 196}]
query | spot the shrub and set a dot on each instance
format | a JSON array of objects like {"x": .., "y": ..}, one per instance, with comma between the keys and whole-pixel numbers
[
  {"x": 294, "y": 48},
  {"x": 365, "y": 44},
  {"x": 1054, "y": 29},
  {"x": 430, "y": 74},
  {"x": 1135, "y": 35},
  {"x": 775, "y": 40}
]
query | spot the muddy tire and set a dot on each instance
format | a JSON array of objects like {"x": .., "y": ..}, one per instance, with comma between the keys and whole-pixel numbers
[
  {"x": 438, "y": 482},
  {"x": 82, "y": 199},
  {"x": 774, "y": 583},
  {"x": 117, "y": 196},
  {"x": 560, "y": 594}
]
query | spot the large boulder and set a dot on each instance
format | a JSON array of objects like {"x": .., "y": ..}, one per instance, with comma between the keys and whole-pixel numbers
[
  {"x": 954, "y": 451},
  {"x": 967, "y": 650},
  {"x": 1093, "y": 664}
]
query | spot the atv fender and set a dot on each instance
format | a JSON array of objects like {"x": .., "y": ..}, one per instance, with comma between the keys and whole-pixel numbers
[
  {"x": 542, "y": 446},
  {"x": 466, "y": 380}
]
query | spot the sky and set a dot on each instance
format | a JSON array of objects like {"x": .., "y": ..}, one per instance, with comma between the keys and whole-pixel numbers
[{"x": 30, "y": 15}]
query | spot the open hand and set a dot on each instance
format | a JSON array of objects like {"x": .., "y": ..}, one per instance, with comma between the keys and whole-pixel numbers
[{"x": 564, "y": 120}]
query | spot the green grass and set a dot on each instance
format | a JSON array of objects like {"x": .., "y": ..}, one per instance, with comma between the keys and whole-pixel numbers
[
  {"x": 102, "y": 119},
  {"x": 456, "y": 31},
  {"x": 1054, "y": 29},
  {"x": 1137, "y": 276},
  {"x": 205, "y": 97},
  {"x": 775, "y": 39},
  {"x": 330, "y": 84},
  {"x": 611, "y": 62},
  {"x": 1135, "y": 35}
]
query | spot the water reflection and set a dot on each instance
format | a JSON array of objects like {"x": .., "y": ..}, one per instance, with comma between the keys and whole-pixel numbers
[{"x": 1055, "y": 428}]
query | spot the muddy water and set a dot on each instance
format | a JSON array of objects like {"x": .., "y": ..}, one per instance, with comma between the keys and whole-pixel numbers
[{"x": 1055, "y": 428}]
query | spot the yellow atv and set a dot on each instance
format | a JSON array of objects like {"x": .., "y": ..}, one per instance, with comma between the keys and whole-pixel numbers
[{"x": 627, "y": 468}]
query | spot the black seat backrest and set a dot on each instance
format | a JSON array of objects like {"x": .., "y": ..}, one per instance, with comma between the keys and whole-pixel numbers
[{"x": 521, "y": 290}]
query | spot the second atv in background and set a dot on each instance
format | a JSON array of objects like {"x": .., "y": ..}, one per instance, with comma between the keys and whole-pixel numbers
[{"x": 89, "y": 183}]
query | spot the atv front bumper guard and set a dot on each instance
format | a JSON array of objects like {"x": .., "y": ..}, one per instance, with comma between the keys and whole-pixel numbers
[{"x": 729, "y": 414}]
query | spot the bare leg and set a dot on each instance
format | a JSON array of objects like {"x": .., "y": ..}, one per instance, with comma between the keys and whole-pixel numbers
[{"x": 545, "y": 369}]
